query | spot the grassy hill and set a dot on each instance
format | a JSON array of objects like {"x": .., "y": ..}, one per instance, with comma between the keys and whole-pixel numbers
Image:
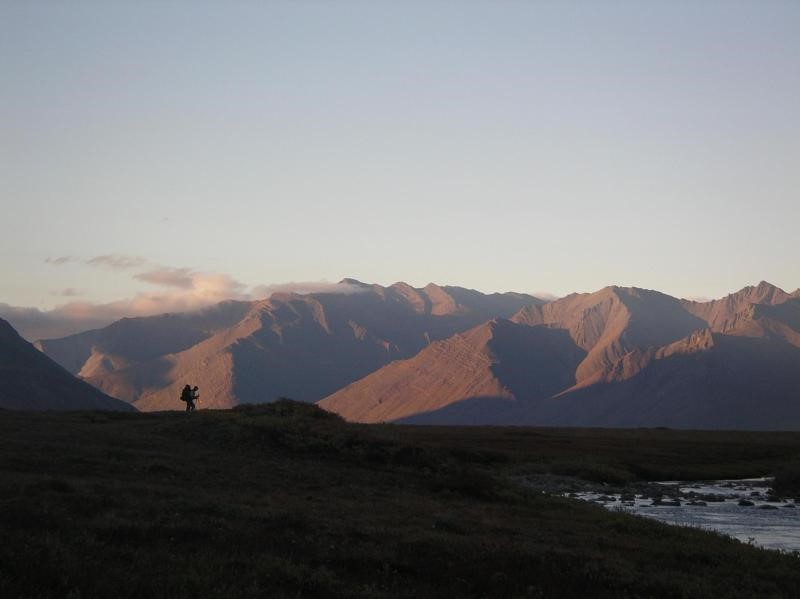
[{"x": 285, "y": 500}]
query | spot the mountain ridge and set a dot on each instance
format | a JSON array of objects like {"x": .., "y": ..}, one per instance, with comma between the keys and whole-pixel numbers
[
  {"x": 648, "y": 360},
  {"x": 289, "y": 344}
]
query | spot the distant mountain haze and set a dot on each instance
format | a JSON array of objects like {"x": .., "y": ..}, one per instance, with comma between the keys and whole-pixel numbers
[
  {"x": 302, "y": 346},
  {"x": 132, "y": 340},
  {"x": 617, "y": 357},
  {"x": 29, "y": 380}
]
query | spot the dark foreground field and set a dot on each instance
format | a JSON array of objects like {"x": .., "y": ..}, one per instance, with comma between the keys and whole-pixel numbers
[{"x": 286, "y": 500}]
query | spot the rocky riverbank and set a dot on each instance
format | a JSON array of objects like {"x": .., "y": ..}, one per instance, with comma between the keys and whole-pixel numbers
[
  {"x": 746, "y": 509},
  {"x": 669, "y": 493}
]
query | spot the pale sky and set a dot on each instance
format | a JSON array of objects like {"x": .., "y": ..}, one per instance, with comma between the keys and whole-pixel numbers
[{"x": 531, "y": 146}]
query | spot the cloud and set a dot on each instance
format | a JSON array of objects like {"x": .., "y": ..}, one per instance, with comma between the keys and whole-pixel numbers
[
  {"x": 200, "y": 290},
  {"x": 60, "y": 260},
  {"x": 545, "y": 295},
  {"x": 168, "y": 277},
  {"x": 698, "y": 298},
  {"x": 68, "y": 292},
  {"x": 191, "y": 285},
  {"x": 33, "y": 323},
  {"x": 117, "y": 261},
  {"x": 182, "y": 290},
  {"x": 306, "y": 287}
]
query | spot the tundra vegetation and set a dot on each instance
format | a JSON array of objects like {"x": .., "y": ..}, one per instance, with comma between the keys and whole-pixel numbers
[{"x": 285, "y": 499}]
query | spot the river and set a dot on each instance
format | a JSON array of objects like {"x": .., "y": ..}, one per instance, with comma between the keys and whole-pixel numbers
[{"x": 741, "y": 509}]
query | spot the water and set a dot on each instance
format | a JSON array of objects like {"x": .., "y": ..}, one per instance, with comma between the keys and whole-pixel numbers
[{"x": 769, "y": 524}]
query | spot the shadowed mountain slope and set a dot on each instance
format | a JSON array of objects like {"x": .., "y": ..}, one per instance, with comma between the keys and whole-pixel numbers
[
  {"x": 711, "y": 381},
  {"x": 303, "y": 346},
  {"x": 617, "y": 357},
  {"x": 30, "y": 380},
  {"x": 707, "y": 381},
  {"x": 498, "y": 359}
]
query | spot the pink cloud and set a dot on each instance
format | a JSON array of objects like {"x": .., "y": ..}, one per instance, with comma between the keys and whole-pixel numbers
[
  {"x": 203, "y": 289},
  {"x": 117, "y": 261},
  {"x": 168, "y": 277},
  {"x": 183, "y": 290}
]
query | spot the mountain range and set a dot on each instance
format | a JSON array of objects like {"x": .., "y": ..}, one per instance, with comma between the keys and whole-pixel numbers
[
  {"x": 616, "y": 357},
  {"x": 620, "y": 356},
  {"x": 301, "y": 346}
]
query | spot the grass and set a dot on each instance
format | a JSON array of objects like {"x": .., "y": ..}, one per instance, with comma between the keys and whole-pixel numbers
[
  {"x": 284, "y": 500},
  {"x": 614, "y": 455}
]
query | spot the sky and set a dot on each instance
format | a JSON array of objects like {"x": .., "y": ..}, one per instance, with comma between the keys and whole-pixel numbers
[{"x": 166, "y": 155}]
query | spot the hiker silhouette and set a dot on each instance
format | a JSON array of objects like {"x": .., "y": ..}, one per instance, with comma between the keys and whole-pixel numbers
[{"x": 189, "y": 395}]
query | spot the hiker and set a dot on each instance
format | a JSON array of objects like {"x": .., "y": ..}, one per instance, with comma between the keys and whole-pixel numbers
[{"x": 188, "y": 395}]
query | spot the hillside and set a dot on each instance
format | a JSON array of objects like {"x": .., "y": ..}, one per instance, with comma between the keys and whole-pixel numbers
[
  {"x": 284, "y": 500},
  {"x": 304, "y": 346},
  {"x": 617, "y": 357},
  {"x": 491, "y": 364},
  {"x": 30, "y": 380}
]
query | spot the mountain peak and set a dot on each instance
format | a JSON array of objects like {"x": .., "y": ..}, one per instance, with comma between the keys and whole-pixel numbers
[
  {"x": 433, "y": 287},
  {"x": 767, "y": 287},
  {"x": 612, "y": 293},
  {"x": 356, "y": 282},
  {"x": 763, "y": 293},
  {"x": 619, "y": 290},
  {"x": 735, "y": 311}
]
